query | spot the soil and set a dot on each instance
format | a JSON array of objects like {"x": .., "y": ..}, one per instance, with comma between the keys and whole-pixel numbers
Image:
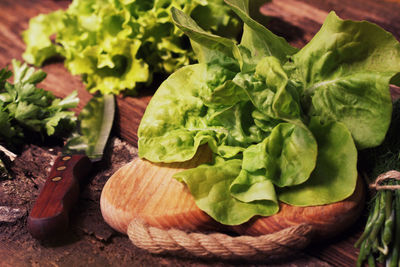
[{"x": 88, "y": 234}]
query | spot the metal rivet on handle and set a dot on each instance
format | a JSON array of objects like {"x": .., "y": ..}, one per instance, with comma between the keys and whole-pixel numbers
[
  {"x": 61, "y": 168},
  {"x": 66, "y": 158},
  {"x": 56, "y": 179}
]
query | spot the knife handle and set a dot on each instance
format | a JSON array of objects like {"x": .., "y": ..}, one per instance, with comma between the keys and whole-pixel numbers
[{"x": 50, "y": 213}]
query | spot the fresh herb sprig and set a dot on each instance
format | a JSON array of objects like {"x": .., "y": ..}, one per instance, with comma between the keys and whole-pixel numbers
[
  {"x": 380, "y": 240},
  {"x": 26, "y": 109}
]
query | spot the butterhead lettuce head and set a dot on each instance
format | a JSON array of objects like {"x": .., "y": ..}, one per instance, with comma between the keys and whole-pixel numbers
[{"x": 284, "y": 124}]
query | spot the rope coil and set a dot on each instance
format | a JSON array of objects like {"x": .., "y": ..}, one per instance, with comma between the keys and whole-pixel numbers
[
  {"x": 218, "y": 245},
  {"x": 377, "y": 185}
]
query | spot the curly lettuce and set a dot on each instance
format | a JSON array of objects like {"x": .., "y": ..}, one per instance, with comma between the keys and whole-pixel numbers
[
  {"x": 118, "y": 45},
  {"x": 284, "y": 125}
]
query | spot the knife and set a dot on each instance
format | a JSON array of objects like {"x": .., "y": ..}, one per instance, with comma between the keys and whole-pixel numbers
[{"x": 50, "y": 214}]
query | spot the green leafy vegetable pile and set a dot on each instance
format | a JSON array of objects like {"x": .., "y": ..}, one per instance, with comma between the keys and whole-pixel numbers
[
  {"x": 115, "y": 44},
  {"x": 26, "y": 109},
  {"x": 284, "y": 125}
]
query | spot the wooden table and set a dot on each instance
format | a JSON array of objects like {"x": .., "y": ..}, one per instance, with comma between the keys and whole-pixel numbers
[{"x": 296, "y": 20}]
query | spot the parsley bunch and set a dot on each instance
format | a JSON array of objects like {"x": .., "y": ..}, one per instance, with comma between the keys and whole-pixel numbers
[{"x": 26, "y": 109}]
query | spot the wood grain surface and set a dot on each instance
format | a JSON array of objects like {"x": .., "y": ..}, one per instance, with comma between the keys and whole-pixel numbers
[
  {"x": 296, "y": 20},
  {"x": 146, "y": 190}
]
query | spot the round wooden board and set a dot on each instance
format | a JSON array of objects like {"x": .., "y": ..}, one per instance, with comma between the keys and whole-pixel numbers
[{"x": 147, "y": 190}]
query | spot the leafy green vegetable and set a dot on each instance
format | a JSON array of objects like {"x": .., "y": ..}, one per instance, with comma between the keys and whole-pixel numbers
[
  {"x": 345, "y": 71},
  {"x": 209, "y": 184},
  {"x": 335, "y": 175},
  {"x": 259, "y": 41},
  {"x": 24, "y": 107},
  {"x": 117, "y": 45},
  {"x": 285, "y": 158},
  {"x": 283, "y": 124},
  {"x": 377, "y": 160}
]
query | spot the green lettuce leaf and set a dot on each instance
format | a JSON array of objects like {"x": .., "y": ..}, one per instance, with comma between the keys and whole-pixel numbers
[
  {"x": 345, "y": 71},
  {"x": 269, "y": 90},
  {"x": 169, "y": 135},
  {"x": 238, "y": 122},
  {"x": 335, "y": 175},
  {"x": 209, "y": 185},
  {"x": 285, "y": 158},
  {"x": 174, "y": 134},
  {"x": 39, "y": 45},
  {"x": 205, "y": 44},
  {"x": 259, "y": 41}
]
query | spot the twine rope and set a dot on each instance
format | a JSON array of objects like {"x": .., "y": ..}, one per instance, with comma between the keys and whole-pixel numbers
[
  {"x": 392, "y": 174},
  {"x": 218, "y": 245}
]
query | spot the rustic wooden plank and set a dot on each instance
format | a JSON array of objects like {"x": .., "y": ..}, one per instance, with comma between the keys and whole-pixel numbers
[
  {"x": 299, "y": 20},
  {"x": 130, "y": 112},
  {"x": 383, "y": 13}
]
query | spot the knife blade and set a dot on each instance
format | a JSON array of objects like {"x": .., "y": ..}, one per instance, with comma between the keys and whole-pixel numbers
[{"x": 50, "y": 213}]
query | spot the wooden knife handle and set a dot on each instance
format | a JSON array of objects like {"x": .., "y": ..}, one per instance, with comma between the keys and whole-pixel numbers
[{"x": 50, "y": 213}]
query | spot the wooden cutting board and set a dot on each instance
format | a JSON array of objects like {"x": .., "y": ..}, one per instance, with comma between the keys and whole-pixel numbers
[{"x": 145, "y": 190}]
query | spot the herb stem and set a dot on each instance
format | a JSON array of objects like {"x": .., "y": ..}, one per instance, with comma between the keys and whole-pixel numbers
[
  {"x": 365, "y": 240},
  {"x": 371, "y": 261},
  {"x": 393, "y": 260},
  {"x": 370, "y": 221},
  {"x": 386, "y": 237}
]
